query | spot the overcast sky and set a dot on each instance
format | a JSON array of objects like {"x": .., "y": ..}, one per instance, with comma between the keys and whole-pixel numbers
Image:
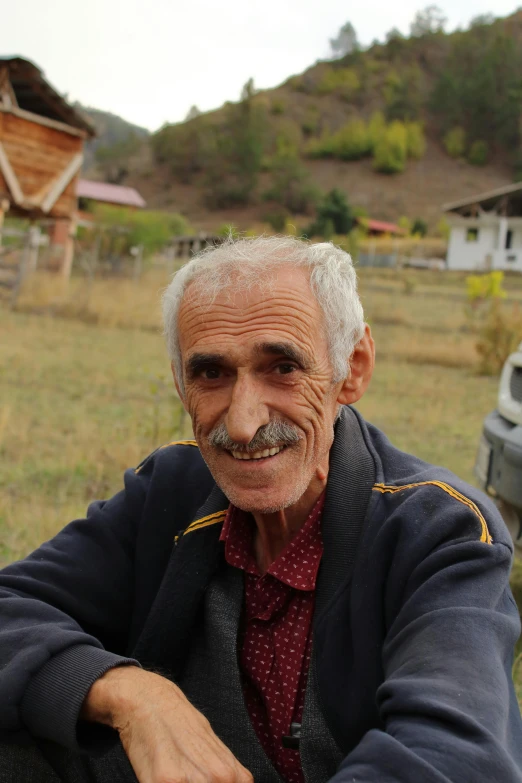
[{"x": 150, "y": 61}]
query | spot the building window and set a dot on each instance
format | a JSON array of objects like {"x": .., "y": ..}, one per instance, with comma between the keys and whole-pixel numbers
[
  {"x": 472, "y": 235},
  {"x": 509, "y": 239}
]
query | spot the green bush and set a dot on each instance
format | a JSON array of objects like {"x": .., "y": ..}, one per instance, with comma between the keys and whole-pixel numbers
[
  {"x": 342, "y": 81},
  {"x": 391, "y": 151},
  {"x": 455, "y": 142},
  {"x": 276, "y": 220},
  {"x": 323, "y": 147},
  {"x": 278, "y": 106},
  {"x": 310, "y": 123},
  {"x": 291, "y": 186},
  {"x": 376, "y": 128},
  {"x": 478, "y": 153},
  {"x": 405, "y": 223},
  {"x": 419, "y": 227},
  {"x": 415, "y": 140},
  {"x": 185, "y": 147},
  {"x": 352, "y": 141},
  {"x": 334, "y": 216},
  {"x": 150, "y": 229}
]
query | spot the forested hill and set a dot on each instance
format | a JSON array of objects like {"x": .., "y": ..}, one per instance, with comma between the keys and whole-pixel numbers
[
  {"x": 112, "y": 131},
  {"x": 400, "y": 128}
]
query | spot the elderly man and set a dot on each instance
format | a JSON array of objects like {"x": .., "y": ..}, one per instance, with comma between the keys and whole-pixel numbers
[{"x": 286, "y": 598}]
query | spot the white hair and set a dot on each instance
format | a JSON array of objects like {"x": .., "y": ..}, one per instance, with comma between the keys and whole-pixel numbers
[{"x": 242, "y": 263}]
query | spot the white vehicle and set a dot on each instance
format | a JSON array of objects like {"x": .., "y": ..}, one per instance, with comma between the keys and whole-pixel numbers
[{"x": 498, "y": 466}]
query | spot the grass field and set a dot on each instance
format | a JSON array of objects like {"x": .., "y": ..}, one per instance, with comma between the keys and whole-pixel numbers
[{"x": 85, "y": 389}]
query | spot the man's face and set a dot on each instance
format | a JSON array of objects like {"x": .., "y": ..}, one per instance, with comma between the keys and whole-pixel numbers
[{"x": 251, "y": 358}]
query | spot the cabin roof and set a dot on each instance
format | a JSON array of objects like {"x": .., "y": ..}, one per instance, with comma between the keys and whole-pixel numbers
[
  {"x": 380, "y": 226},
  {"x": 489, "y": 201},
  {"x": 109, "y": 194},
  {"x": 34, "y": 94}
]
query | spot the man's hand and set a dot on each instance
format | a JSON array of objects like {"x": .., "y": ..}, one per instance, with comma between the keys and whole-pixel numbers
[{"x": 166, "y": 739}]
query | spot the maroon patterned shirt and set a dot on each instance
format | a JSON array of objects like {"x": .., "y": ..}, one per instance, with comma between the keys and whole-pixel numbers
[{"x": 275, "y": 639}]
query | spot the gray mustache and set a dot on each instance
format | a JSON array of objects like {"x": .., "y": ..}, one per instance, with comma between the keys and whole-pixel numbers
[{"x": 275, "y": 433}]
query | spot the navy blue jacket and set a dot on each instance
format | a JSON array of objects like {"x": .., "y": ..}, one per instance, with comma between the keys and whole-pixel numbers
[{"x": 414, "y": 624}]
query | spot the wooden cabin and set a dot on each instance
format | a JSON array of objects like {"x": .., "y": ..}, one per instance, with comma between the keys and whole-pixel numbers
[{"x": 41, "y": 153}]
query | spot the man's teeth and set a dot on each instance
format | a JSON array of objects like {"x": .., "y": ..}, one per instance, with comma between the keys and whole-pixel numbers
[{"x": 257, "y": 454}]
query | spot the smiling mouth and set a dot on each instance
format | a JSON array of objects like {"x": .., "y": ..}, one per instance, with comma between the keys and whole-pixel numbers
[{"x": 257, "y": 454}]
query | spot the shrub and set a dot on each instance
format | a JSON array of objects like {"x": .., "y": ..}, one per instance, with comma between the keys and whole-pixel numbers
[
  {"x": 186, "y": 147},
  {"x": 443, "y": 228},
  {"x": 482, "y": 288},
  {"x": 478, "y": 153},
  {"x": 376, "y": 128},
  {"x": 405, "y": 223},
  {"x": 123, "y": 228},
  {"x": 276, "y": 220},
  {"x": 322, "y": 147},
  {"x": 391, "y": 150},
  {"x": 291, "y": 186},
  {"x": 455, "y": 142},
  {"x": 352, "y": 141},
  {"x": 415, "y": 140},
  {"x": 310, "y": 123},
  {"x": 342, "y": 81},
  {"x": 334, "y": 216},
  {"x": 498, "y": 336},
  {"x": 419, "y": 227},
  {"x": 278, "y": 106}
]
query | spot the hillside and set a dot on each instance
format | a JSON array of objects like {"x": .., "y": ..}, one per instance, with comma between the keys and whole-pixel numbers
[
  {"x": 400, "y": 128},
  {"x": 111, "y": 131}
]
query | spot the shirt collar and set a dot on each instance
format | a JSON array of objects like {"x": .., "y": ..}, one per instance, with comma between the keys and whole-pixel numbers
[{"x": 298, "y": 563}]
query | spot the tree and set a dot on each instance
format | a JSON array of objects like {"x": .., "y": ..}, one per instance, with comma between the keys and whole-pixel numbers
[
  {"x": 291, "y": 185},
  {"x": 184, "y": 147},
  {"x": 482, "y": 20},
  {"x": 334, "y": 216},
  {"x": 428, "y": 21},
  {"x": 419, "y": 227},
  {"x": 113, "y": 159},
  {"x": 346, "y": 41},
  {"x": 237, "y": 150},
  {"x": 192, "y": 113},
  {"x": 393, "y": 35}
]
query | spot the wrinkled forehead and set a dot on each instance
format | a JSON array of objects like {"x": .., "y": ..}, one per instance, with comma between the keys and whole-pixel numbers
[{"x": 279, "y": 305}]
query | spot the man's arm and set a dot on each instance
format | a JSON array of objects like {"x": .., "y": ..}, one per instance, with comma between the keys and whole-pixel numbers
[
  {"x": 164, "y": 736},
  {"x": 447, "y": 702},
  {"x": 59, "y": 608}
]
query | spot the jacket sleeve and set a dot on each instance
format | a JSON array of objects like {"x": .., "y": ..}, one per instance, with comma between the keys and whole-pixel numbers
[
  {"x": 447, "y": 703},
  {"x": 62, "y": 610}
]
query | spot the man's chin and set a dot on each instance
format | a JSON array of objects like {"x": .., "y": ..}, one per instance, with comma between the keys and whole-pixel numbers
[{"x": 264, "y": 500}]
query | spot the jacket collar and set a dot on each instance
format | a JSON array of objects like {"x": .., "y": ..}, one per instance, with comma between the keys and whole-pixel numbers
[{"x": 351, "y": 477}]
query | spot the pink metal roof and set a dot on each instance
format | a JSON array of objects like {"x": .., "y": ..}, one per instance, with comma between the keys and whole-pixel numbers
[
  {"x": 109, "y": 194},
  {"x": 380, "y": 225}
]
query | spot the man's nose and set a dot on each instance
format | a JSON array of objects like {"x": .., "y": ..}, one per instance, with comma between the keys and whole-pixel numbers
[{"x": 246, "y": 412}]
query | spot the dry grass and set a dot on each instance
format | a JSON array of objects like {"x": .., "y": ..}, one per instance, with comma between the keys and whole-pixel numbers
[{"x": 85, "y": 395}]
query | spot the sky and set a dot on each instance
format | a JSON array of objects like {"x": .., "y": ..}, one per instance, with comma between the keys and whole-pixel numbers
[{"x": 151, "y": 61}]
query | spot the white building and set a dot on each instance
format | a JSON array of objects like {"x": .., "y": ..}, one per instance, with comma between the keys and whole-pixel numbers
[{"x": 486, "y": 230}]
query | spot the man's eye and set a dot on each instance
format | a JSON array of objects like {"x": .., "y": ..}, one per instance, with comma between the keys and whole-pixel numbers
[
  {"x": 285, "y": 369},
  {"x": 211, "y": 373}
]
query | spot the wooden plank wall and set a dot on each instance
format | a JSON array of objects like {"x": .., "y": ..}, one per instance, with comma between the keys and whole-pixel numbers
[{"x": 38, "y": 155}]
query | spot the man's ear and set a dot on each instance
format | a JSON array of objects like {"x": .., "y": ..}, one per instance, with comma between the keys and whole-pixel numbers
[
  {"x": 362, "y": 363},
  {"x": 176, "y": 384}
]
